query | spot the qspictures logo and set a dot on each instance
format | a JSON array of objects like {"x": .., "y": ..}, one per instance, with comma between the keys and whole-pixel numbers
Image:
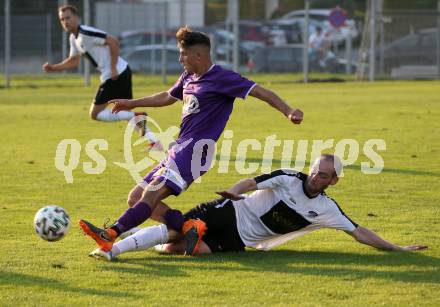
[{"x": 295, "y": 154}]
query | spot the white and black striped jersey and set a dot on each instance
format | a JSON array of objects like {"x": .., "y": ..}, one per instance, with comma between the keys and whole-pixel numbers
[
  {"x": 280, "y": 210},
  {"x": 90, "y": 42}
]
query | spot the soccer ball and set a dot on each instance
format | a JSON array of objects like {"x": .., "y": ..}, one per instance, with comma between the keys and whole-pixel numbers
[{"x": 52, "y": 223}]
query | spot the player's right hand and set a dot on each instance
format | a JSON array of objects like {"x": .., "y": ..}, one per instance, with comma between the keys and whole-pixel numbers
[
  {"x": 121, "y": 105},
  {"x": 47, "y": 67},
  {"x": 296, "y": 116}
]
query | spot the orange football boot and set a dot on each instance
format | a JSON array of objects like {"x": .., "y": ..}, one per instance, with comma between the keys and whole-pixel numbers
[
  {"x": 103, "y": 237},
  {"x": 193, "y": 231}
]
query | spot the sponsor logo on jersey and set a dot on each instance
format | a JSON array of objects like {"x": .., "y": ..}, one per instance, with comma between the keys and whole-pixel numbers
[{"x": 190, "y": 105}]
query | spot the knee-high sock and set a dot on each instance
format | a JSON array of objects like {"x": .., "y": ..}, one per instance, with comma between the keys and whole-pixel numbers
[
  {"x": 106, "y": 115},
  {"x": 174, "y": 219},
  {"x": 129, "y": 232},
  {"x": 143, "y": 239},
  {"x": 132, "y": 217}
]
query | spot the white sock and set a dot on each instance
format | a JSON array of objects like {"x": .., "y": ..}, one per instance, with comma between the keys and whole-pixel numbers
[
  {"x": 106, "y": 115},
  {"x": 128, "y": 233},
  {"x": 143, "y": 239}
]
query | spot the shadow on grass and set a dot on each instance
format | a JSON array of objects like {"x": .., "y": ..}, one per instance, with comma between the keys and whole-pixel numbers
[
  {"x": 24, "y": 280},
  {"x": 402, "y": 267}
]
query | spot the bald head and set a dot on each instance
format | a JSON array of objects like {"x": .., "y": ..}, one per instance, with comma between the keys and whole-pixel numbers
[
  {"x": 324, "y": 172},
  {"x": 333, "y": 162}
]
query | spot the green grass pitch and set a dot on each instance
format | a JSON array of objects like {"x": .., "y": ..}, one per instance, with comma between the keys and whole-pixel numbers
[{"x": 325, "y": 268}]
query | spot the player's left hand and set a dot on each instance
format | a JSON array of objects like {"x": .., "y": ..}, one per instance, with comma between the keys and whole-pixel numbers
[
  {"x": 229, "y": 195},
  {"x": 413, "y": 248},
  {"x": 295, "y": 116}
]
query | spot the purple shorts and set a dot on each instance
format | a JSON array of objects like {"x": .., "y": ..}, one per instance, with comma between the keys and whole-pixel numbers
[{"x": 186, "y": 161}]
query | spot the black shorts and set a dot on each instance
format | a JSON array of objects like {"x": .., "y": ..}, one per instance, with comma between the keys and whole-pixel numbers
[
  {"x": 219, "y": 216},
  {"x": 113, "y": 89}
]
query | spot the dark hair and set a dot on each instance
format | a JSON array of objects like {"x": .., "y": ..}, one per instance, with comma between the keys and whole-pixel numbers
[
  {"x": 68, "y": 7},
  {"x": 186, "y": 37}
]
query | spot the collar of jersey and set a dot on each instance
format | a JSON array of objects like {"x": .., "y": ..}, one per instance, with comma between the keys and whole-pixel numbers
[
  {"x": 305, "y": 190},
  {"x": 198, "y": 78},
  {"x": 77, "y": 32}
]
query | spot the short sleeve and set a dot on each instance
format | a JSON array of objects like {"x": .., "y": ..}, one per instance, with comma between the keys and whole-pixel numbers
[
  {"x": 73, "y": 50},
  {"x": 274, "y": 180},
  {"x": 176, "y": 91},
  {"x": 93, "y": 35},
  {"x": 339, "y": 220},
  {"x": 234, "y": 85},
  {"x": 342, "y": 222},
  {"x": 96, "y": 40}
]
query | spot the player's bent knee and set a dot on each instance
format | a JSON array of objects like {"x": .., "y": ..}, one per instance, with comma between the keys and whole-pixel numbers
[
  {"x": 95, "y": 110},
  {"x": 131, "y": 202},
  {"x": 134, "y": 196},
  {"x": 175, "y": 248},
  {"x": 94, "y": 115},
  {"x": 132, "y": 199},
  {"x": 153, "y": 195},
  {"x": 174, "y": 236},
  {"x": 204, "y": 249}
]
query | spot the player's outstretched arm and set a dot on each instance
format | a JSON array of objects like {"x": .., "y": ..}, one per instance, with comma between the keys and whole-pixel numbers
[
  {"x": 241, "y": 187},
  {"x": 161, "y": 99},
  {"x": 69, "y": 63},
  {"x": 294, "y": 115},
  {"x": 366, "y": 236}
]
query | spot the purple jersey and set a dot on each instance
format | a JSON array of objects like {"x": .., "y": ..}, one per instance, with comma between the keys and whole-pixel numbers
[{"x": 208, "y": 101}]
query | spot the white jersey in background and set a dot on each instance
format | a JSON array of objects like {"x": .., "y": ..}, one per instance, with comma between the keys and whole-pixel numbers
[
  {"x": 280, "y": 210},
  {"x": 90, "y": 42},
  {"x": 317, "y": 41}
]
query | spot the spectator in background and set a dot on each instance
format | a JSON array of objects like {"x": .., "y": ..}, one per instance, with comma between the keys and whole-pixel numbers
[{"x": 318, "y": 47}]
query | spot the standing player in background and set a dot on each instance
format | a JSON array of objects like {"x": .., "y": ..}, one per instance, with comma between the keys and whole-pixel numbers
[
  {"x": 208, "y": 93},
  {"x": 103, "y": 52}
]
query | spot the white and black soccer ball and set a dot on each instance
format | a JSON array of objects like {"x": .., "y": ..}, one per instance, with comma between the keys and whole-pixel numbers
[{"x": 52, "y": 223}]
